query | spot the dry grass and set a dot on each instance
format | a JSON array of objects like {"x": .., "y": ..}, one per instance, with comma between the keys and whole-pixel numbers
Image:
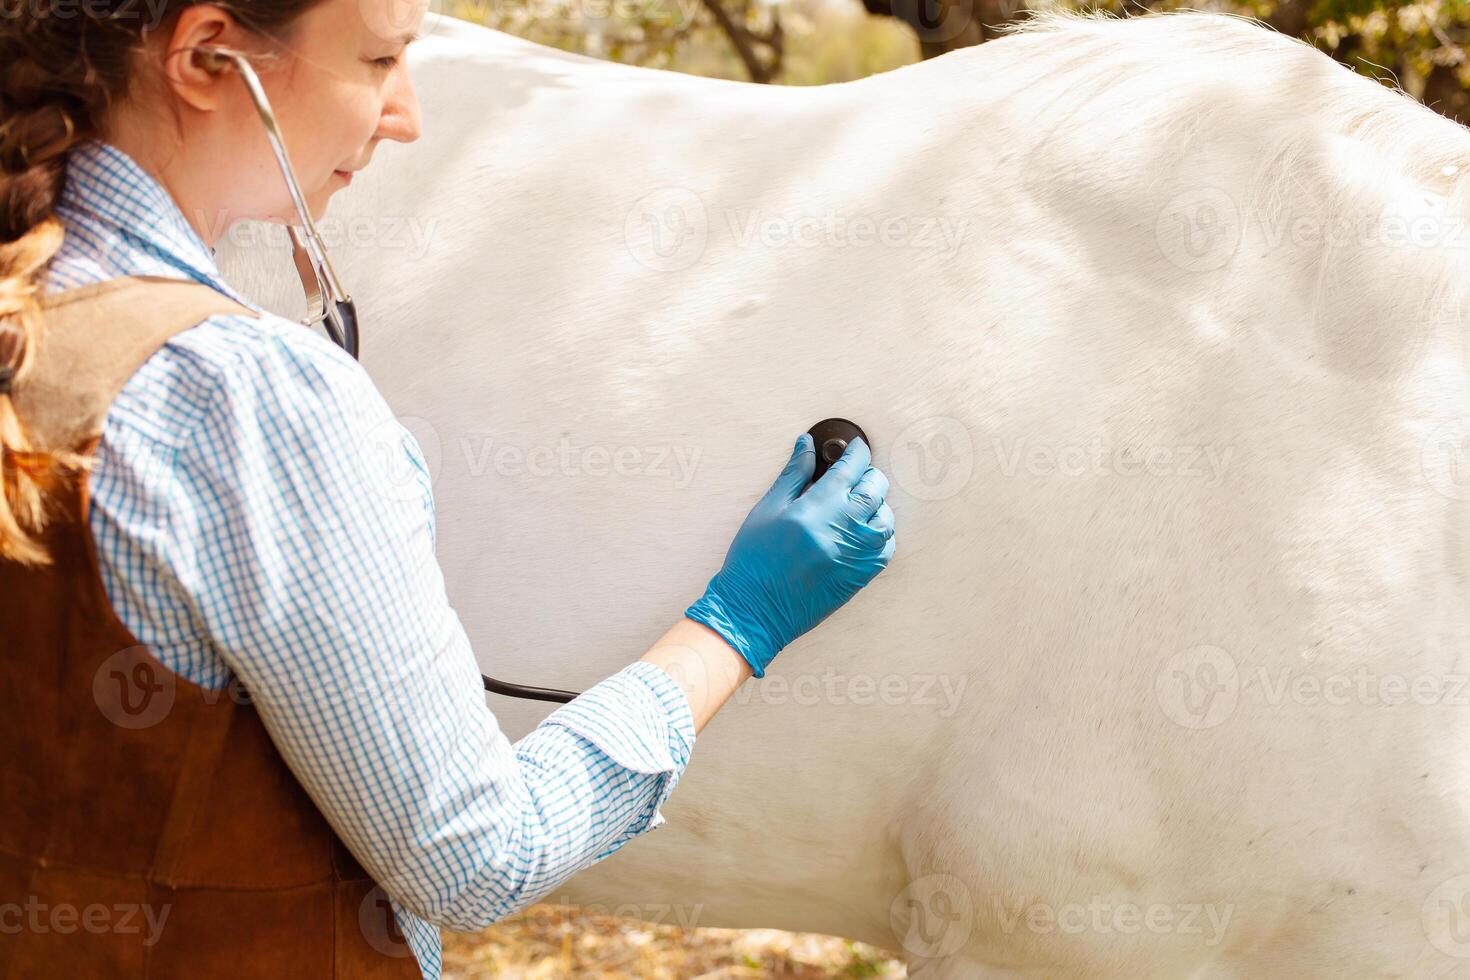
[{"x": 562, "y": 942}]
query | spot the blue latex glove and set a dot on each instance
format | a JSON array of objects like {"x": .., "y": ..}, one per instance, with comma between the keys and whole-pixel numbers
[{"x": 796, "y": 559}]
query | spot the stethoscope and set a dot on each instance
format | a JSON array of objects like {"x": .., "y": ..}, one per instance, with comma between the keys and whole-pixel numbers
[
  {"x": 329, "y": 305},
  {"x": 327, "y": 302}
]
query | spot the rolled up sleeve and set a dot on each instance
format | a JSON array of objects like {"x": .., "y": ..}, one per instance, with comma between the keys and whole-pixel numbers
[{"x": 313, "y": 568}]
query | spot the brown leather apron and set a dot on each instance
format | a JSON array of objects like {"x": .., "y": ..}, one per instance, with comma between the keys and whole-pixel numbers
[{"x": 148, "y": 827}]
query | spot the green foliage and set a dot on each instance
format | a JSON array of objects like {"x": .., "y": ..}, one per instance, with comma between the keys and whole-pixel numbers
[
  {"x": 1416, "y": 47},
  {"x": 863, "y": 966},
  {"x": 1414, "y": 37},
  {"x": 1403, "y": 40}
]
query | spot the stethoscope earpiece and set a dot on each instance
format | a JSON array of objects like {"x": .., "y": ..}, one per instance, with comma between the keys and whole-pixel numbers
[
  {"x": 210, "y": 61},
  {"x": 327, "y": 302}
]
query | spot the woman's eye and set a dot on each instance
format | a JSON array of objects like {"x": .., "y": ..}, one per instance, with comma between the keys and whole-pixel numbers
[{"x": 387, "y": 62}]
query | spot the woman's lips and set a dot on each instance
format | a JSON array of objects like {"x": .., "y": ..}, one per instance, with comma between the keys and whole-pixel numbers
[{"x": 346, "y": 175}]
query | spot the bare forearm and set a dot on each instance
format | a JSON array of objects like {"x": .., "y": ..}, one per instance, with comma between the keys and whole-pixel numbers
[{"x": 702, "y": 663}]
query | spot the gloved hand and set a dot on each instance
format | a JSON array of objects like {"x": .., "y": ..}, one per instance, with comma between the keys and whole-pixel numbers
[{"x": 796, "y": 559}]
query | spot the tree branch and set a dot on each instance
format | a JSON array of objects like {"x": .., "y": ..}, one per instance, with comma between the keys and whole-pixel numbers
[{"x": 742, "y": 38}]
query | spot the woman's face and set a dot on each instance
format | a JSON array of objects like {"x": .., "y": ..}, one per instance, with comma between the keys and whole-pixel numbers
[{"x": 339, "y": 87}]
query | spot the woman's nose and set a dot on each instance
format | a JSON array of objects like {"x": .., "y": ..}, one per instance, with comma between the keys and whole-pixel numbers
[{"x": 400, "y": 119}]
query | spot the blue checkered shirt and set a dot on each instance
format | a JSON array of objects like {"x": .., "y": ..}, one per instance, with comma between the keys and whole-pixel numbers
[{"x": 249, "y": 526}]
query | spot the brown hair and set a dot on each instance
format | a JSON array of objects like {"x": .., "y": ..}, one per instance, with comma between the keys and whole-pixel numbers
[{"x": 62, "y": 67}]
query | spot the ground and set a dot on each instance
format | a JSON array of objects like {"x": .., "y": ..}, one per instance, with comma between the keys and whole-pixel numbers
[{"x": 562, "y": 942}]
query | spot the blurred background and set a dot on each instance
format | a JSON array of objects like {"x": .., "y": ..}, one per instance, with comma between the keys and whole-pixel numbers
[{"x": 1417, "y": 48}]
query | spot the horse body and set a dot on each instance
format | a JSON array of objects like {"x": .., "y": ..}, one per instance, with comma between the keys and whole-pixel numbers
[{"x": 1177, "y": 488}]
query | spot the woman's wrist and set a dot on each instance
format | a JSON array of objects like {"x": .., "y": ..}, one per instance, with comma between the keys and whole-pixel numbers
[{"x": 702, "y": 663}]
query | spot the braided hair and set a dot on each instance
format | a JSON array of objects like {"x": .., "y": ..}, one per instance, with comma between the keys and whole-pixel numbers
[{"x": 63, "y": 67}]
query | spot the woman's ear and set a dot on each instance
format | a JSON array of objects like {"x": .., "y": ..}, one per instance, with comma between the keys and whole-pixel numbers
[{"x": 194, "y": 76}]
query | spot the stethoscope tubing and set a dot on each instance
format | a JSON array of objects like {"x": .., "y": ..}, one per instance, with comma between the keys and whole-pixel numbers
[{"x": 337, "y": 313}]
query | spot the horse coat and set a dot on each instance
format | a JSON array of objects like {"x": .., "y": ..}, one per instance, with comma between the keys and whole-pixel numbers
[{"x": 1158, "y": 328}]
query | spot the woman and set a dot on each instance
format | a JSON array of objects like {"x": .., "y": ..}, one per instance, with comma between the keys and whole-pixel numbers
[{"x": 221, "y": 543}]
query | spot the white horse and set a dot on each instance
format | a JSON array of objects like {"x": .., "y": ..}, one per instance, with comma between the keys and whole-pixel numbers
[{"x": 1157, "y": 326}]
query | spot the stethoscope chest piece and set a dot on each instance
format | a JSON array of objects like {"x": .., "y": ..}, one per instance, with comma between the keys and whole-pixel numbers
[{"x": 831, "y": 438}]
